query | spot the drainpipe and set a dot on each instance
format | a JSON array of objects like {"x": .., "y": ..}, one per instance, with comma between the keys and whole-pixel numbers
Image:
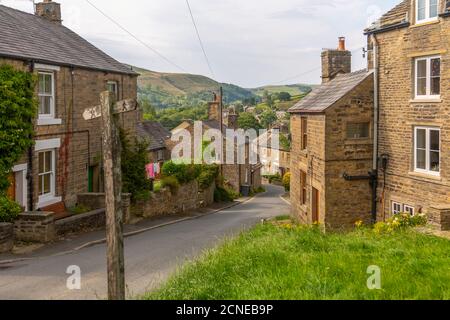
[
  {"x": 30, "y": 165},
  {"x": 374, "y": 174}
]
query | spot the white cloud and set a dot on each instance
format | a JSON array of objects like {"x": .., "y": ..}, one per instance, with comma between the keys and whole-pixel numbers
[{"x": 249, "y": 43}]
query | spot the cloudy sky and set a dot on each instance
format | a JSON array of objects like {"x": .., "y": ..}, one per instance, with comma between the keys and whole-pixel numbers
[{"x": 249, "y": 42}]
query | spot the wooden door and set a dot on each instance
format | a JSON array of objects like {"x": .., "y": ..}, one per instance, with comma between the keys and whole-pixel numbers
[
  {"x": 315, "y": 205},
  {"x": 11, "y": 193}
]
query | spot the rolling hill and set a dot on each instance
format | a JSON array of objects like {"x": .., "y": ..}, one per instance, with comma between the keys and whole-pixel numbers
[{"x": 173, "y": 90}]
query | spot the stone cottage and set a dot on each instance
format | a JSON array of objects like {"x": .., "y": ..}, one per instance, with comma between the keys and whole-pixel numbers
[
  {"x": 275, "y": 159},
  {"x": 332, "y": 146},
  {"x": 71, "y": 74},
  {"x": 410, "y": 49},
  {"x": 158, "y": 138},
  {"x": 235, "y": 175}
]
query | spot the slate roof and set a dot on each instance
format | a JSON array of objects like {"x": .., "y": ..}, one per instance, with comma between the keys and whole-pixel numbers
[
  {"x": 331, "y": 92},
  {"x": 155, "y": 133},
  {"x": 30, "y": 37}
]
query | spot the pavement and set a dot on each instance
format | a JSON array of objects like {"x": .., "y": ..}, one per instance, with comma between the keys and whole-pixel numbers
[{"x": 153, "y": 250}]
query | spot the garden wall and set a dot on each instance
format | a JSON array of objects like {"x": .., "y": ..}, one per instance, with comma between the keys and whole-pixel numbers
[{"x": 188, "y": 197}]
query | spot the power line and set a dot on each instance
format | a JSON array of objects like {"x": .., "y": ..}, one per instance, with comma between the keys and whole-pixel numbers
[
  {"x": 136, "y": 38},
  {"x": 200, "y": 39}
]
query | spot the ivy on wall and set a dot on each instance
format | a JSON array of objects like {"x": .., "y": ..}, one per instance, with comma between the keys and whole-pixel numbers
[{"x": 18, "y": 108}]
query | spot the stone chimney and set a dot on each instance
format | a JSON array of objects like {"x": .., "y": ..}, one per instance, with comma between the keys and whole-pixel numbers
[
  {"x": 335, "y": 61},
  {"x": 49, "y": 10},
  {"x": 230, "y": 119},
  {"x": 214, "y": 109}
]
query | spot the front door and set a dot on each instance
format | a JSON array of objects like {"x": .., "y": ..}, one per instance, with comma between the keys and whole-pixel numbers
[
  {"x": 11, "y": 193},
  {"x": 315, "y": 205}
]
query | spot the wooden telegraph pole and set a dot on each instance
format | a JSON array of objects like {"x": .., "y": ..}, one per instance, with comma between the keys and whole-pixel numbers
[
  {"x": 113, "y": 197},
  {"x": 108, "y": 111}
]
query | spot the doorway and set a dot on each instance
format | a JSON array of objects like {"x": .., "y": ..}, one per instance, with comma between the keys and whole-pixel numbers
[{"x": 315, "y": 205}]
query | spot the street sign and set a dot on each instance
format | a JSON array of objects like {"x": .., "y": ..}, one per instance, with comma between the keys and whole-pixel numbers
[{"x": 119, "y": 107}]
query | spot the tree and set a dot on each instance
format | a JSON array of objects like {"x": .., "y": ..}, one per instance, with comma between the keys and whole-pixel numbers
[
  {"x": 284, "y": 96},
  {"x": 267, "y": 118},
  {"x": 247, "y": 121},
  {"x": 146, "y": 106},
  {"x": 17, "y": 109}
]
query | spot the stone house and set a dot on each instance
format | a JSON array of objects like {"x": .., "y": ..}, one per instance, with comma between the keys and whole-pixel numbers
[
  {"x": 71, "y": 74},
  {"x": 158, "y": 138},
  {"x": 410, "y": 49},
  {"x": 332, "y": 146},
  {"x": 235, "y": 175},
  {"x": 274, "y": 158}
]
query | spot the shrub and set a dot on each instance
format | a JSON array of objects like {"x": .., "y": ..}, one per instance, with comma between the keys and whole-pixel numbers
[
  {"x": 400, "y": 221},
  {"x": 79, "y": 208},
  {"x": 134, "y": 158},
  {"x": 260, "y": 189},
  {"x": 9, "y": 210},
  {"x": 207, "y": 176},
  {"x": 287, "y": 181},
  {"x": 172, "y": 183},
  {"x": 225, "y": 194}
]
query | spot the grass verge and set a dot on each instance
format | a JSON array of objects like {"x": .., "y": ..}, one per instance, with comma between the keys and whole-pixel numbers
[{"x": 276, "y": 262}]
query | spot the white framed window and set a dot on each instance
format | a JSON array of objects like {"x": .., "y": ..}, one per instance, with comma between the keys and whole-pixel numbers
[
  {"x": 427, "y": 10},
  {"x": 397, "y": 208},
  {"x": 428, "y": 77},
  {"x": 358, "y": 130},
  {"x": 409, "y": 209},
  {"x": 46, "y": 182},
  {"x": 46, "y": 94},
  {"x": 427, "y": 150},
  {"x": 113, "y": 87}
]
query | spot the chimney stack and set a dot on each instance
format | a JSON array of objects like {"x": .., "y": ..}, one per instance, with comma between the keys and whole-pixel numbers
[
  {"x": 335, "y": 61},
  {"x": 214, "y": 108},
  {"x": 49, "y": 10}
]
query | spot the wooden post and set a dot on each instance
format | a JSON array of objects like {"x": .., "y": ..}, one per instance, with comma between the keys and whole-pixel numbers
[{"x": 113, "y": 195}]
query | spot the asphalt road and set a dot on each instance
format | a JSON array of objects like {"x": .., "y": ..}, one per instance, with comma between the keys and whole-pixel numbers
[{"x": 150, "y": 257}]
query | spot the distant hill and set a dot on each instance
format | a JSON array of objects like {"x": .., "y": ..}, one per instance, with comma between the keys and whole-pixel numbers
[
  {"x": 292, "y": 89},
  {"x": 166, "y": 90},
  {"x": 175, "y": 90}
]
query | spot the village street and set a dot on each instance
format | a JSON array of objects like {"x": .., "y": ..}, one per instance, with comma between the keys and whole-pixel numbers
[{"x": 150, "y": 257}]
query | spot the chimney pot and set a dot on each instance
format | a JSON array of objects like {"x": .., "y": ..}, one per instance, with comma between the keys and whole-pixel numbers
[{"x": 341, "y": 44}]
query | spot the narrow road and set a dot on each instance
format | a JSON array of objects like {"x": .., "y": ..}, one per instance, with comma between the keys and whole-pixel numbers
[{"x": 150, "y": 257}]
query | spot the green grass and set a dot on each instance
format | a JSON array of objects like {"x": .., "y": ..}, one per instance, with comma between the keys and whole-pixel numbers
[{"x": 272, "y": 262}]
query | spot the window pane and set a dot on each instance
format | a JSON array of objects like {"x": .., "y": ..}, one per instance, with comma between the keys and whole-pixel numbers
[
  {"x": 41, "y": 162},
  {"x": 434, "y": 161},
  {"x": 434, "y": 140},
  {"x": 48, "y": 84},
  {"x": 47, "y": 178},
  {"x": 421, "y": 68},
  {"x": 44, "y": 105},
  {"x": 357, "y": 130},
  {"x": 48, "y": 161},
  {"x": 421, "y": 86},
  {"x": 421, "y": 159},
  {"x": 421, "y": 138},
  {"x": 435, "y": 86},
  {"x": 41, "y": 179},
  {"x": 41, "y": 83},
  {"x": 433, "y": 8},
  {"x": 436, "y": 67}
]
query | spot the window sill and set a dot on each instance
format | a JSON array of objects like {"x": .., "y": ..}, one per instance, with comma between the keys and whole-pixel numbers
[
  {"x": 48, "y": 121},
  {"x": 365, "y": 141},
  {"x": 426, "y": 176},
  {"x": 46, "y": 201},
  {"x": 425, "y": 23},
  {"x": 426, "y": 100}
]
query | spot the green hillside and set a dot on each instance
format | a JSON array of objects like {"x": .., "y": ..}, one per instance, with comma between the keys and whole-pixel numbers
[
  {"x": 172, "y": 90},
  {"x": 293, "y": 89}
]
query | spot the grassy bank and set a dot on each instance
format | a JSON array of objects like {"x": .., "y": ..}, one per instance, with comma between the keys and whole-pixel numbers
[{"x": 276, "y": 262}]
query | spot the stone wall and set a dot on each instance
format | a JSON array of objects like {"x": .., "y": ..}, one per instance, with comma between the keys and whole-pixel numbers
[
  {"x": 95, "y": 201},
  {"x": 6, "y": 237},
  {"x": 439, "y": 216},
  {"x": 188, "y": 197},
  {"x": 81, "y": 222},
  {"x": 400, "y": 112},
  {"x": 35, "y": 227}
]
